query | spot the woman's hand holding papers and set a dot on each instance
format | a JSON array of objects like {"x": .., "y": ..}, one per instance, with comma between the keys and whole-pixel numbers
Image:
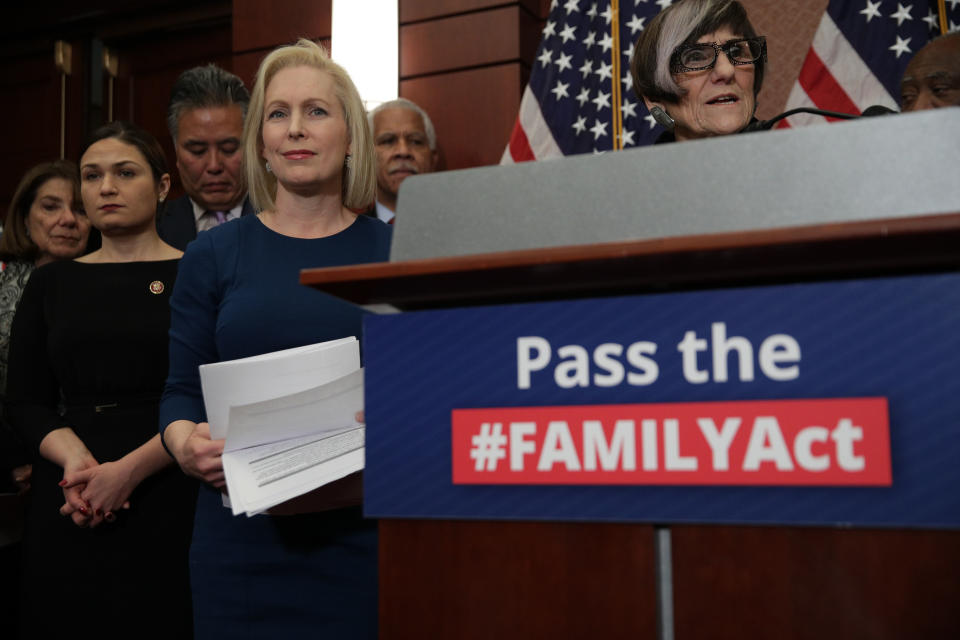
[{"x": 196, "y": 453}]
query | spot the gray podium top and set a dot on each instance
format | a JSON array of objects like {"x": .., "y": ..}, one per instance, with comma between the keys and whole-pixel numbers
[{"x": 893, "y": 166}]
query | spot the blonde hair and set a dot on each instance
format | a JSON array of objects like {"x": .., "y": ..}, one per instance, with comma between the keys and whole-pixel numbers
[{"x": 359, "y": 174}]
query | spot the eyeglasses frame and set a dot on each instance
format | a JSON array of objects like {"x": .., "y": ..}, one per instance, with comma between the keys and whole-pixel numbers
[{"x": 677, "y": 67}]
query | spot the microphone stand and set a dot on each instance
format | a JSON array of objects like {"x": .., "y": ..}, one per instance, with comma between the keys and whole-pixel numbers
[{"x": 765, "y": 125}]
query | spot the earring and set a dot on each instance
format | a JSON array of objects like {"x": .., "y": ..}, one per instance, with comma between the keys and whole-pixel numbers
[
  {"x": 269, "y": 170},
  {"x": 662, "y": 117},
  {"x": 346, "y": 161},
  {"x": 163, "y": 197}
]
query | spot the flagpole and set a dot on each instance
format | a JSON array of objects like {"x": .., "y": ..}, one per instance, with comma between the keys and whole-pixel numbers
[
  {"x": 942, "y": 6},
  {"x": 617, "y": 117}
]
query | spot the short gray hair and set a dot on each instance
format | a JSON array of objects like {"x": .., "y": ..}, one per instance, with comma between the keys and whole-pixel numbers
[
  {"x": 409, "y": 105},
  {"x": 682, "y": 23},
  {"x": 204, "y": 87}
]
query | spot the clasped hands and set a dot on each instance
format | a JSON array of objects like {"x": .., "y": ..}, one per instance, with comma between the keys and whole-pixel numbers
[{"x": 94, "y": 493}]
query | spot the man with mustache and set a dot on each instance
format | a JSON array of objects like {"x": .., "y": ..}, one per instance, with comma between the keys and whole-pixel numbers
[
  {"x": 406, "y": 145},
  {"x": 205, "y": 117}
]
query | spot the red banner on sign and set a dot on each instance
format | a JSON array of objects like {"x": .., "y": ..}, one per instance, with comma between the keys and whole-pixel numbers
[{"x": 835, "y": 441}]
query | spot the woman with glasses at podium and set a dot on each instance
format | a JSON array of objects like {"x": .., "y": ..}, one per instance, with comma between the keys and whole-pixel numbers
[
  {"x": 698, "y": 67},
  {"x": 309, "y": 568}
]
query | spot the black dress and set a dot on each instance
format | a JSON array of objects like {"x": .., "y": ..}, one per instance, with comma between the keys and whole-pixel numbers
[{"x": 89, "y": 351}]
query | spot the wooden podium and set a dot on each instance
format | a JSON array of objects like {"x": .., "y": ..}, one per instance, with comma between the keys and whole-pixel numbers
[
  {"x": 867, "y": 201},
  {"x": 495, "y": 579}
]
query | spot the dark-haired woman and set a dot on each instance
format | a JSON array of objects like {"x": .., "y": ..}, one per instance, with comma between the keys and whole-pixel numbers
[
  {"x": 109, "y": 524},
  {"x": 45, "y": 222}
]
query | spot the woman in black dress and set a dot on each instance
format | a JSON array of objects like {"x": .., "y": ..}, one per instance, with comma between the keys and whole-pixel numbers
[{"x": 109, "y": 524}]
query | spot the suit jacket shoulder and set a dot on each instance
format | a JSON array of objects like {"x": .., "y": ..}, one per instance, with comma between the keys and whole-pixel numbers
[{"x": 176, "y": 225}]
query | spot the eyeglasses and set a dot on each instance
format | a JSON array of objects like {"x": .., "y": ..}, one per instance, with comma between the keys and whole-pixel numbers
[{"x": 703, "y": 55}]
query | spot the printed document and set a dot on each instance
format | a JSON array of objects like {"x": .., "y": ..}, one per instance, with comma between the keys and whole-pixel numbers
[{"x": 288, "y": 419}]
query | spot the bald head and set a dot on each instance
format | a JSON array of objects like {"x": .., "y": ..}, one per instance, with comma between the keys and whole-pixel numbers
[{"x": 932, "y": 78}]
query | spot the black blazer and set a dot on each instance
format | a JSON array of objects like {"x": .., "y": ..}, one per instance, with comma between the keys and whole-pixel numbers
[{"x": 177, "y": 226}]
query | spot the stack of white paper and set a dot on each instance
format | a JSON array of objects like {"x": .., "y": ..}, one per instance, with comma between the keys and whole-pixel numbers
[{"x": 288, "y": 419}]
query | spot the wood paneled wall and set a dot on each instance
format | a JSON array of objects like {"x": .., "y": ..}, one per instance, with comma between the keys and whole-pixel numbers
[
  {"x": 31, "y": 87},
  {"x": 259, "y": 27},
  {"x": 154, "y": 41},
  {"x": 465, "y": 61},
  {"x": 142, "y": 89}
]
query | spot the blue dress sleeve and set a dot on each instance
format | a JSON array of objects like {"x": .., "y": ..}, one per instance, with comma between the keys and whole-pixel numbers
[{"x": 193, "y": 318}]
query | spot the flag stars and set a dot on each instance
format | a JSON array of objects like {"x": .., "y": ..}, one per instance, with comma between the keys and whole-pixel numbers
[
  {"x": 598, "y": 129},
  {"x": 607, "y": 14},
  {"x": 580, "y": 125},
  {"x": 663, "y": 4},
  {"x": 583, "y": 96},
  {"x": 627, "y": 81},
  {"x": 560, "y": 90},
  {"x": 953, "y": 4},
  {"x": 636, "y": 23},
  {"x": 900, "y": 46},
  {"x": 932, "y": 19},
  {"x": 590, "y": 40},
  {"x": 872, "y": 10},
  {"x": 586, "y": 68},
  {"x": 550, "y": 29},
  {"x": 606, "y": 42},
  {"x": 592, "y": 11},
  {"x": 571, "y": 6},
  {"x": 605, "y": 71},
  {"x": 545, "y": 57},
  {"x": 628, "y": 52},
  {"x": 902, "y": 13},
  {"x": 568, "y": 33},
  {"x": 627, "y": 138},
  {"x": 563, "y": 62},
  {"x": 602, "y": 100},
  {"x": 629, "y": 109},
  {"x": 650, "y": 120}
]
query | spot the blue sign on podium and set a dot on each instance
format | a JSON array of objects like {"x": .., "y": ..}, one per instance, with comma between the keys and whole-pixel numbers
[{"x": 818, "y": 404}]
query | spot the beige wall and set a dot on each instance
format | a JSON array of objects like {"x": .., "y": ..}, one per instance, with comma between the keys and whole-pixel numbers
[{"x": 789, "y": 26}]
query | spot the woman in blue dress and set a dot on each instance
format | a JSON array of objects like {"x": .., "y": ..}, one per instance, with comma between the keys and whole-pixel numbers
[{"x": 306, "y": 568}]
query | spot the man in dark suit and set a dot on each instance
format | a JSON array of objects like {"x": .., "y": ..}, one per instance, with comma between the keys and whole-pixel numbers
[
  {"x": 406, "y": 145},
  {"x": 205, "y": 118}
]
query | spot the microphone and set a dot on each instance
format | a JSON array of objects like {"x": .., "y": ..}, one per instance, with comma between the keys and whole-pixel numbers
[
  {"x": 877, "y": 110},
  {"x": 765, "y": 125}
]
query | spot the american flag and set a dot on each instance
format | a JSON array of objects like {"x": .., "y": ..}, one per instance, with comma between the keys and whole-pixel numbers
[
  {"x": 580, "y": 97},
  {"x": 860, "y": 51}
]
